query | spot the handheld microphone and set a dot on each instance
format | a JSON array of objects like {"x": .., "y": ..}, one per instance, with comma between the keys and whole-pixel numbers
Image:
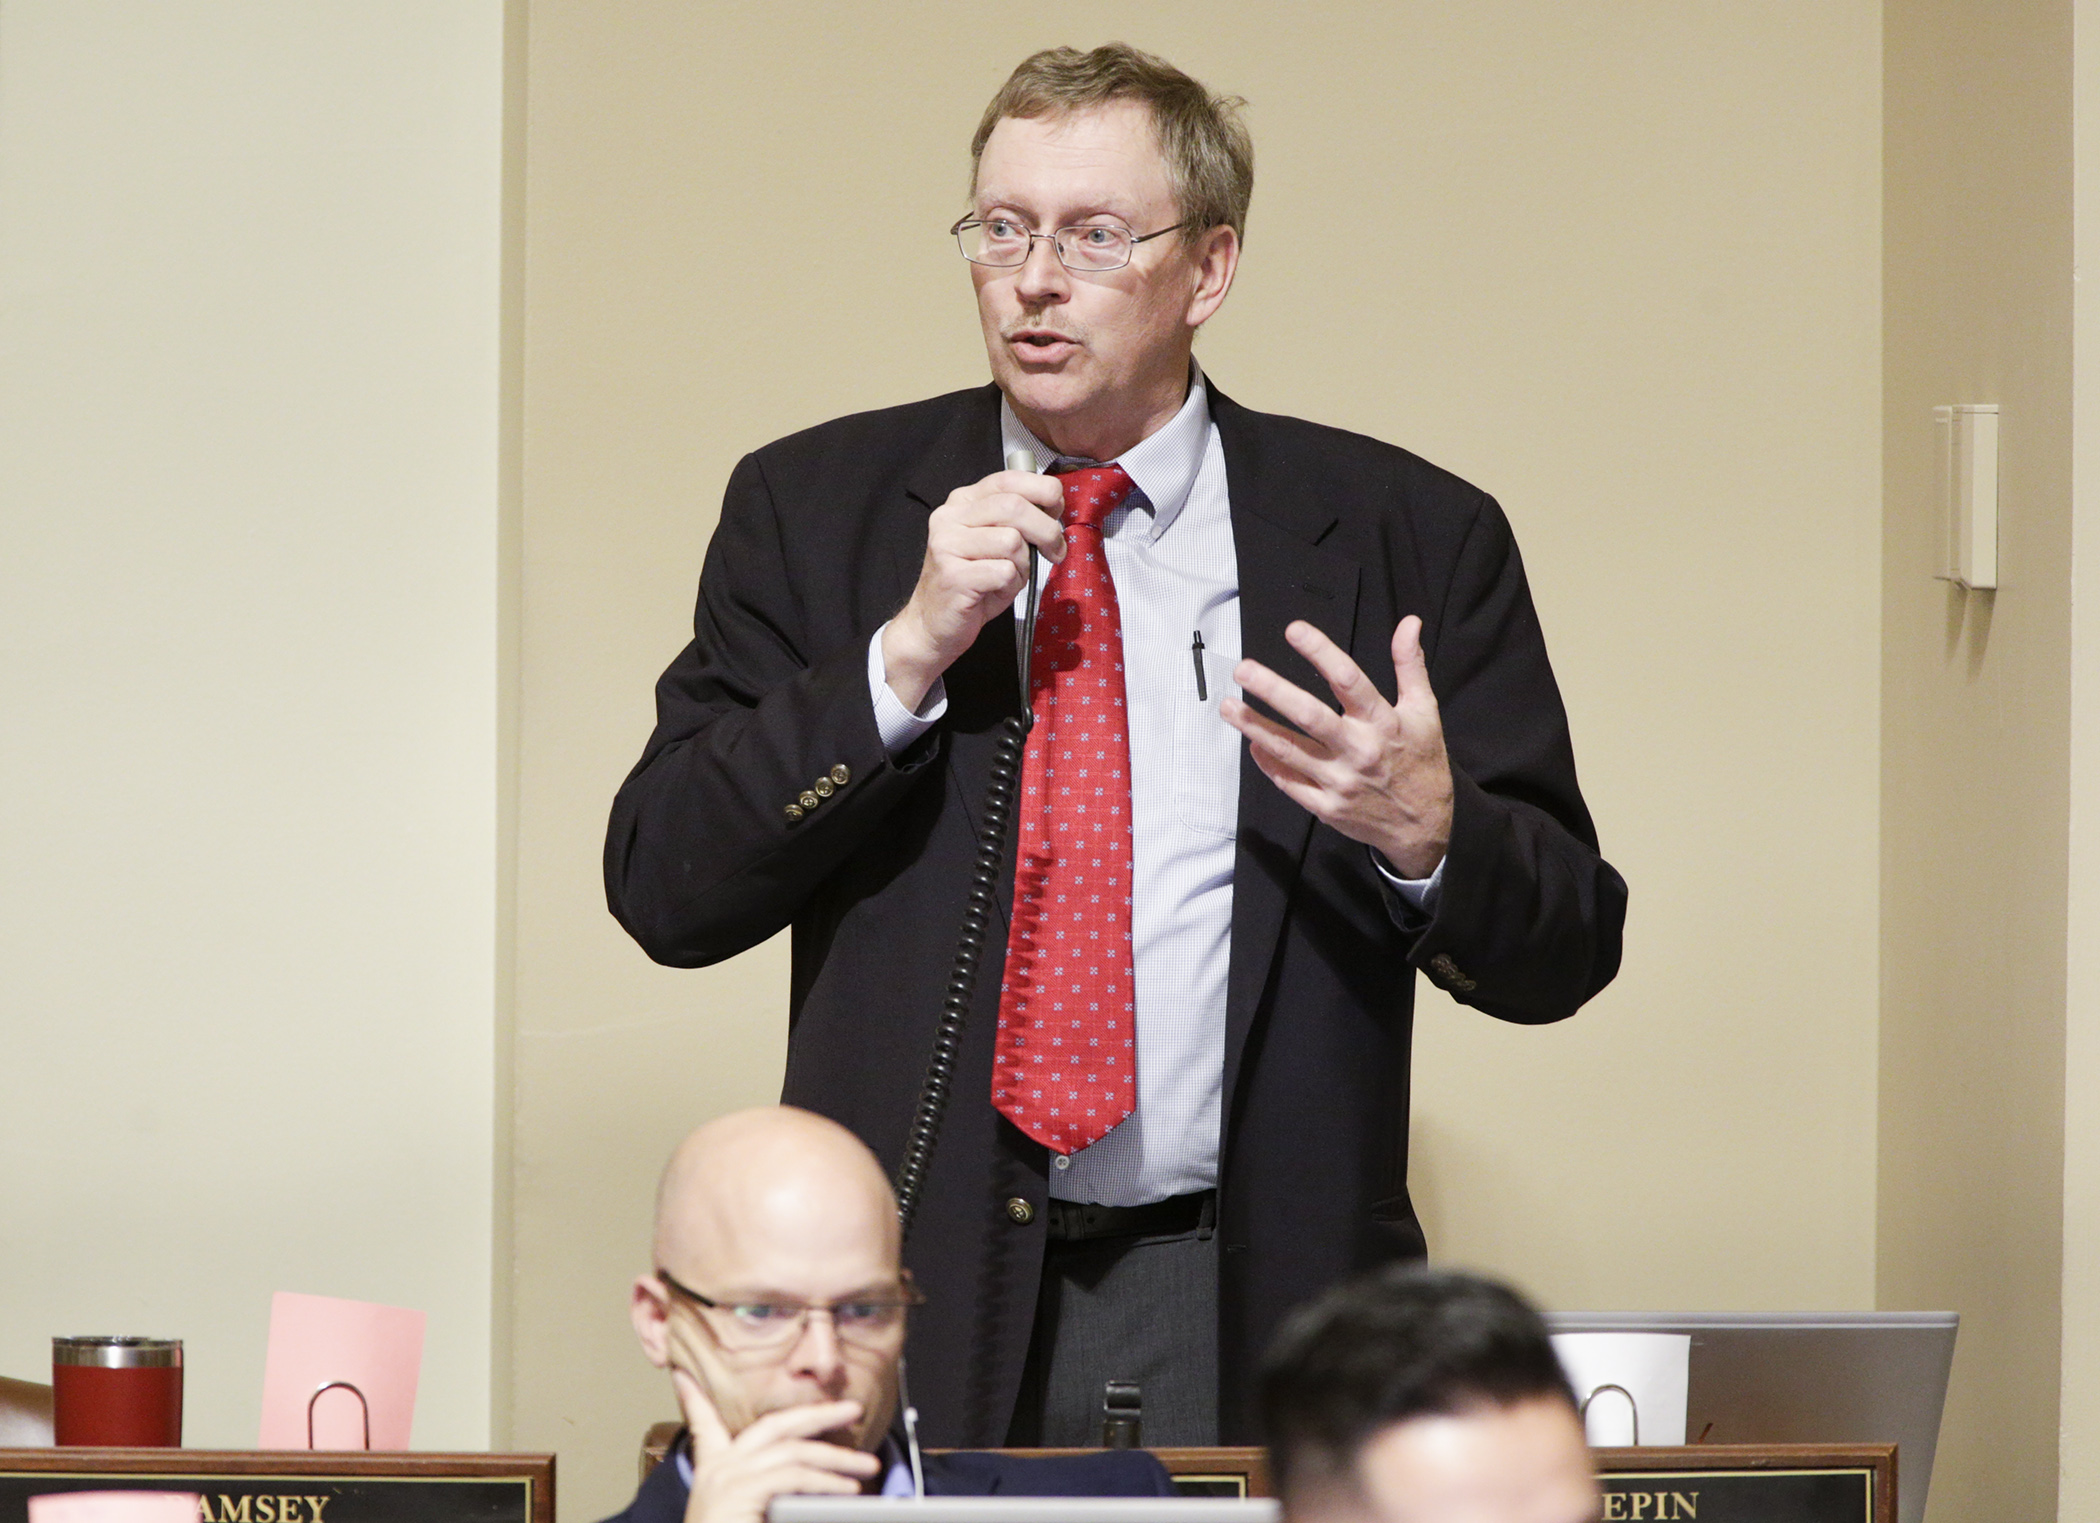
[{"x": 1021, "y": 460}]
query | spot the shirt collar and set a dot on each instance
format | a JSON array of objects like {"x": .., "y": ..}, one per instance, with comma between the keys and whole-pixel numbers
[
  {"x": 896, "y": 1474},
  {"x": 1163, "y": 465}
]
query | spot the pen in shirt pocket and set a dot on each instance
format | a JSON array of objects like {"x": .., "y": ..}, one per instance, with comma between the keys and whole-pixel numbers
[{"x": 1196, "y": 656}]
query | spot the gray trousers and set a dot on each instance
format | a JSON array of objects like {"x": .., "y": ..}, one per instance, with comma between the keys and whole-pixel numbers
[{"x": 1138, "y": 1308}]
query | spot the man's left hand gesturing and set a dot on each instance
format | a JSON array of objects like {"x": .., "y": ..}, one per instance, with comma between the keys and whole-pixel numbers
[{"x": 1377, "y": 771}]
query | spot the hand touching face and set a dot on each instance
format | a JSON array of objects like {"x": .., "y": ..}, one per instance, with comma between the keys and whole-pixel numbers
[
  {"x": 791, "y": 1449},
  {"x": 790, "y": 1409}
]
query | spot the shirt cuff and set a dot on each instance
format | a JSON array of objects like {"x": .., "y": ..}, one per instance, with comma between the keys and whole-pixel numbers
[
  {"x": 1419, "y": 893},
  {"x": 897, "y": 725}
]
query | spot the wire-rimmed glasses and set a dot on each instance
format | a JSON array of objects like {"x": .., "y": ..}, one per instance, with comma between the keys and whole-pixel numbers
[
  {"x": 868, "y": 1321},
  {"x": 1090, "y": 248}
]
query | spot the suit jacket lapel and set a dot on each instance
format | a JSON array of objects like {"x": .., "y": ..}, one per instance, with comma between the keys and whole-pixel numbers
[
  {"x": 984, "y": 683},
  {"x": 1277, "y": 525},
  {"x": 967, "y": 450}
]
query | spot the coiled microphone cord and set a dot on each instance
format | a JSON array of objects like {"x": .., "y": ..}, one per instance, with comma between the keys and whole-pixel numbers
[
  {"x": 977, "y": 918},
  {"x": 962, "y": 980}
]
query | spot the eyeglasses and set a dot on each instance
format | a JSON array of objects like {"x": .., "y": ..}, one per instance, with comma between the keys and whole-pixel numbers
[
  {"x": 867, "y": 1322},
  {"x": 1005, "y": 244}
]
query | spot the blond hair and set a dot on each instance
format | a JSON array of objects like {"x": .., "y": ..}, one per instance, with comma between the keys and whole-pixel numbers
[{"x": 1210, "y": 157}]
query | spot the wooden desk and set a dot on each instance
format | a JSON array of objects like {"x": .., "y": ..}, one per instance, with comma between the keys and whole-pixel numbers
[
  {"x": 1855, "y": 1482},
  {"x": 296, "y": 1485}
]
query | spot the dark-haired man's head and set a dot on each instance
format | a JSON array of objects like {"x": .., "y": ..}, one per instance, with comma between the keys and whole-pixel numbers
[{"x": 1423, "y": 1396}]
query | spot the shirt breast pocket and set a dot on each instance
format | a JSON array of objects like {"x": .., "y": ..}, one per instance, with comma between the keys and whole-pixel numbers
[{"x": 1206, "y": 770}]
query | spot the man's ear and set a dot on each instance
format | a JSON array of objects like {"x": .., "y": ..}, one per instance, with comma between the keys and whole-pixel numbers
[
  {"x": 1215, "y": 253},
  {"x": 649, "y": 1307}
]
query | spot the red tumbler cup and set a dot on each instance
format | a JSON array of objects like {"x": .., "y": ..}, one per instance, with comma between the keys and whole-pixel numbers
[{"x": 117, "y": 1392}]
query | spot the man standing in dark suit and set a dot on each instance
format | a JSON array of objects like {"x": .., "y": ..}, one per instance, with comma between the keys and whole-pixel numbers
[
  {"x": 777, "y": 1305},
  {"x": 1182, "y": 1106}
]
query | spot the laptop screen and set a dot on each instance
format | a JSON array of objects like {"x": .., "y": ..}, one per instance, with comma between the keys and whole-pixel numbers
[
  {"x": 861, "y": 1509},
  {"x": 1810, "y": 1378}
]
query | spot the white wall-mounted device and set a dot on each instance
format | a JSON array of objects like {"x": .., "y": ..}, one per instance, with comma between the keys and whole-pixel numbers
[{"x": 1969, "y": 494}]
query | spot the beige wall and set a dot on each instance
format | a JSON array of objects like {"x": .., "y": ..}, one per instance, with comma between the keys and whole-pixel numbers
[
  {"x": 1976, "y": 730},
  {"x": 1617, "y": 264},
  {"x": 248, "y": 362},
  {"x": 358, "y": 460},
  {"x": 1649, "y": 268},
  {"x": 2080, "y": 1404},
  {"x": 2079, "y": 1416}
]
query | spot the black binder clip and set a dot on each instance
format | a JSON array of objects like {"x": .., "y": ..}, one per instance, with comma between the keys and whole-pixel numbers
[
  {"x": 1122, "y": 1415},
  {"x": 338, "y": 1385}
]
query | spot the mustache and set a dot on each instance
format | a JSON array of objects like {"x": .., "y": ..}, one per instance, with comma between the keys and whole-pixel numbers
[{"x": 1013, "y": 330}]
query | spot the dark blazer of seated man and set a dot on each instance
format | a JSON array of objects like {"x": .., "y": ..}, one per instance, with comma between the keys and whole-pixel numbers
[
  {"x": 1419, "y": 1396},
  {"x": 778, "y": 1305}
]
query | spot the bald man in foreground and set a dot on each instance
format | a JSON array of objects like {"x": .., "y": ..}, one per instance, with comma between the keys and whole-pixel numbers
[
  {"x": 1423, "y": 1396},
  {"x": 778, "y": 1305}
]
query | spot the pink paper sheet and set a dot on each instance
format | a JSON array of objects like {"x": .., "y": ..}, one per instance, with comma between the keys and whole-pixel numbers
[
  {"x": 315, "y": 1340},
  {"x": 113, "y": 1507}
]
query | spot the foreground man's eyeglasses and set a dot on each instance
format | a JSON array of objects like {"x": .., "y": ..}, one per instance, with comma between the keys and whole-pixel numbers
[
  {"x": 869, "y": 1321},
  {"x": 1005, "y": 244}
]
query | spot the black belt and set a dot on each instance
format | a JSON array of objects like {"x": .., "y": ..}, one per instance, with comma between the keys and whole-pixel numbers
[{"x": 1072, "y": 1221}]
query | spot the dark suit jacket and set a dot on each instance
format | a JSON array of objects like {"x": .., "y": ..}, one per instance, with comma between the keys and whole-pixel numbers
[
  {"x": 820, "y": 542},
  {"x": 1111, "y": 1473}
]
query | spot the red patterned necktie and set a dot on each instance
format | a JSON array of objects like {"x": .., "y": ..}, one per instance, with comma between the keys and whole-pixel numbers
[{"x": 1065, "y": 1067}]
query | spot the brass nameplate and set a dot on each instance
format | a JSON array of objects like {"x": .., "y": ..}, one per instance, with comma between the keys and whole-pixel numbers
[
  {"x": 296, "y": 1486},
  {"x": 1746, "y": 1483}
]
